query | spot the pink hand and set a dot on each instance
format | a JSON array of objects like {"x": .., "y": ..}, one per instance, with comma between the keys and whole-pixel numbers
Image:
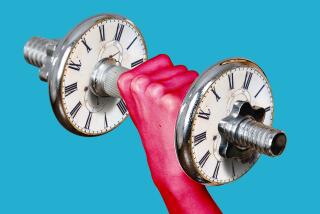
[{"x": 153, "y": 93}]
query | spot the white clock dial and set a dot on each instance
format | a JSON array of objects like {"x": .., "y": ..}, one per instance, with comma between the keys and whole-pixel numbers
[
  {"x": 243, "y": 84},
  {"x": 108, "y": 38}
]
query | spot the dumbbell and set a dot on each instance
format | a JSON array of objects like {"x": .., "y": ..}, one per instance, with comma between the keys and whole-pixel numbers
[{"x": 225, "y": 120}]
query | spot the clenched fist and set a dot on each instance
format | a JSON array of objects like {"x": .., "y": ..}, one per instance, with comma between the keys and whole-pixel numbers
[{"x": 153, "y": 93}]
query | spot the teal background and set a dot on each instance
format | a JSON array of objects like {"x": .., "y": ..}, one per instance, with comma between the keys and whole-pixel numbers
[{"x": 46, "y": 169}]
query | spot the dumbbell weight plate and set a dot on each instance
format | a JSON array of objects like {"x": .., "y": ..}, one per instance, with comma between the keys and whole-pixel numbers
[
  {"x": 209, "y": 100},
  {"x": 75, "y": 58}
]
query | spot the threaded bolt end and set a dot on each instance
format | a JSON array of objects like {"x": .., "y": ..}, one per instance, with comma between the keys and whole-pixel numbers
[
  {"x": 248, "y": 133},
  {"x": 37, "y": 50},
  {"x": 264, "y": 139}
]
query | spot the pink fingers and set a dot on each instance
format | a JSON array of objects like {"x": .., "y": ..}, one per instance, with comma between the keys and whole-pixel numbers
[
  {"x": 140, "y": 82},
  {"x": 168, "y": 73},
  {"x": 124, "y": 81},
  {"x": 152, "y": 65},
  {"x": 178, "y": 81}
]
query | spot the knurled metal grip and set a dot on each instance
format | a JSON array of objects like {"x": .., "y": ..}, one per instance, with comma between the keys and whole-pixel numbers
[{"x": 104, "y": 78}]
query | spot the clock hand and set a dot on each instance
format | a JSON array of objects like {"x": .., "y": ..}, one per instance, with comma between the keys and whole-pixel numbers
[{"x": 114, "y": 54}]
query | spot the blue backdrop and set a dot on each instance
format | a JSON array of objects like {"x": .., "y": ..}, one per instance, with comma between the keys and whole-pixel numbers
[{"x": 46, "y": 169}]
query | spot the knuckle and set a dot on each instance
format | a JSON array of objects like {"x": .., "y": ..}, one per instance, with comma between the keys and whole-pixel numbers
[
  {"x": 124, "y": 79},
  {"x": 181, "y": 67},
  {"x": 194, "y": 74},
  {"x": 139, "y": 83},
  {"x": 171, "y": 102},
  {"x": 155, "y": 90},
  {"x": 190, "y": 76}
]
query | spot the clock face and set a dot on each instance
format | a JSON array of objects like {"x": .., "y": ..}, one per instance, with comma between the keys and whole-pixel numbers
[
  {"x": 108, "y": 38},
  {"x": 238, "y": 84}
]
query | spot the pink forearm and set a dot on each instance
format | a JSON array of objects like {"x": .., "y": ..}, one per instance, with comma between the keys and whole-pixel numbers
[
  {"x": 153, "y": 93},
  {"x": 185, "y": 196},
  {"x": 179, "y": 192}
]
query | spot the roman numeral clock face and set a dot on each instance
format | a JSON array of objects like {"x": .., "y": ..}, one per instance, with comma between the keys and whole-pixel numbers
[
  {"x": 241, "y": 83},
  {"x": 108, "y": 38}
]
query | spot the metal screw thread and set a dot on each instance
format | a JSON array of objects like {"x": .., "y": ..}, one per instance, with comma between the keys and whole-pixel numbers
[
  {"x": 104, "y": 78},
  {"x": 249, "y": 133},
  {"x": 37, "y": 50}
]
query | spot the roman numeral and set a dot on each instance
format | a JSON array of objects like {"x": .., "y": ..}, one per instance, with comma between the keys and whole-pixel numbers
[
  {"x": 122, "y": 107},
  {"x": 204, "y": 158},
  {"x": 105, "y": 120},
  {"x": 231, "y": 83},
  {"x": 199, "y": 138},
  {"x": 247, "y": 80},
  {"x": 102, "y": 34},
  {"x": 84, "y": 42},
  {"x": 88, "y": 122},
  {"x": 267, "y": 109},
  {"x": 204, "y": 115},
  {"x": 75, "y": 110},
  {"x": 138, "y": 62},
  {"x": 74, "y": 66},
  {"x": 69, "y": 89},
  {"x": 215, "y": 93},
  {"x": 132, "y": 43},
  {"x": 118, "y": 34},
  {"x": 216, "y": 170},
  {"x": 255, "y": 96}
]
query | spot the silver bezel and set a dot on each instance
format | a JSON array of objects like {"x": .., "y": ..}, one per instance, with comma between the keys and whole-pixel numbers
[
  {"x": 57, "y": 64},
  {"x": 188, "y": 112}
]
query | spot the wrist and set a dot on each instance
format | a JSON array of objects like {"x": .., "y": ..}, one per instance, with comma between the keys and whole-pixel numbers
[
  {"x": 179, "y": 186},
  {"x": 183, "y": 195}
]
